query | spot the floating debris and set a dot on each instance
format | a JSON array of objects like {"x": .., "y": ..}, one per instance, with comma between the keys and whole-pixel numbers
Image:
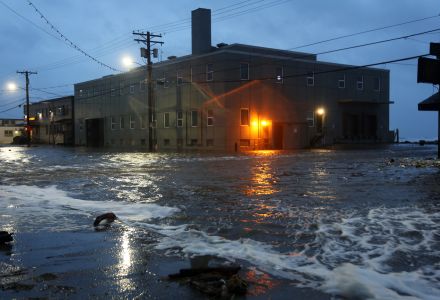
[
  {"x": 214, "y": 281},
  {"x": 5, "y": 237},
  {"x": 105, "y": 219}
]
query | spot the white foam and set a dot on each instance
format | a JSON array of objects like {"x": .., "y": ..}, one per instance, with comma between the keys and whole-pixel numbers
[
  {"x": 349, "y": 261},
  {"x": 49, "y": 200}
]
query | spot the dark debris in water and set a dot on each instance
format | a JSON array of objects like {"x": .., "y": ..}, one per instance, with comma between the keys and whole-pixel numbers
[{"x": 215, "y": 281}]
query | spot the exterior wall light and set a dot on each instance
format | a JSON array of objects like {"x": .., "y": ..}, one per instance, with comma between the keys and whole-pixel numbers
[{"x": 320, "y": 111}]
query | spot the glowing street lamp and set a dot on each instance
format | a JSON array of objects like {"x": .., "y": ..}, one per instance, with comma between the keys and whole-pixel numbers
[
  {"x": 127, "y": 61},
  {"x": 11, "y": 86}
]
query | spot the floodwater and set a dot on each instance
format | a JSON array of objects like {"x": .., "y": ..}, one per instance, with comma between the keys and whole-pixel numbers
[{"x": 341, "y": 223}]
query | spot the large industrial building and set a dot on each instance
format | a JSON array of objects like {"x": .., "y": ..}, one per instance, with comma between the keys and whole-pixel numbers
[{"x": 235, "y": 97}]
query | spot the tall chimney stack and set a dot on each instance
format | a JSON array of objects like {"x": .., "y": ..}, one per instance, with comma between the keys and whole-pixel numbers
[{"x": 201, "y": 30}]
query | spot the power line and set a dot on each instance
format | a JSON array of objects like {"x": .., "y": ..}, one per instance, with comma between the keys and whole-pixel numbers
[
  {"x": 29, "y": 21},
  {"x": 68, "y": 41},
  {"x": 3, "y": 111},
  {"x": 365, "y": 31}
]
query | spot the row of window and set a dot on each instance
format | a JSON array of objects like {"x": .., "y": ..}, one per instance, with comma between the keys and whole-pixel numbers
[
  {"x": 166, "y": 142},
  {"x": 9, "y": 133},
  {"x": 244, "y": 75},
  {"x": 119, "y": 122},
  {"x": 47, "y": 112}
]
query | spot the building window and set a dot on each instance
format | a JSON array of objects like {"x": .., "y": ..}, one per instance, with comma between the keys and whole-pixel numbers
[
  {"x": 279, "y": 75},
  {"x": 310, "y": 119},
  {"x": 143, "y": 121},
  {"x": 209, "y": 72},
  {"x": 209, "y": 142},
  {"x": 142, "y": 85},
  {"x": 166, "y": 120},
  {"x": 244, "y": 71},
  {"x": 360, "y": 83},
  {"x": 194, "y": 118},
  {"x": 121, "y": 88},
  {"x": 244, "y": 117},
  {"x": 341, "y": 82},
  {"x": 166, "y": 142},
  {"x": 121, "y": 122},
  {"x": 179, "y": 116},
  {"x": 311, "y": 79},
  {"x": 377, "y": 84},
  {"x": 245, "y": 143},
  {"x": 132, "y": 89},
  {"x": 210, "y": 118},
  {"x": 112, "y": 123},
  {"x": 165, "y": 81},
  {"x": 8, "y": 133},
  {"x": 132, "y": 122},
  {"x": 112, "y": 92},
  {"x": 193, "y": 142},
  {"x": 81, "y": 93},
  {"x": 179, "y": 79}
]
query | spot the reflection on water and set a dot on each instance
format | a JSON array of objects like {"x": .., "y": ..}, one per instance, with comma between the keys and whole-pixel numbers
[
  {"x": 260, "y": 282},
  {"x": 263, "y": 179},
  {"x": 279, "y": 212},
  {"x": 125, "y": 261}
]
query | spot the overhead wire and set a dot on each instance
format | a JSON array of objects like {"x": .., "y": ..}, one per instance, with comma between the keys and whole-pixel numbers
[
  {"x": 365, "y": 31},
  {"x": 68, "y": 41}
]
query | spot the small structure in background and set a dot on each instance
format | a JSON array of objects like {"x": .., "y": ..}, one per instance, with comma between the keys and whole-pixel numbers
[
  {"x": 11, "y": 129},
  {"x": 51, "y": 121}
]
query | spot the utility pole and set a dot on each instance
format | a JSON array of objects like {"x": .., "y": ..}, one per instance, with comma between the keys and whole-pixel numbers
[
  {"x": 28, "y": 126},
  {"x": 146, "y": 38}
]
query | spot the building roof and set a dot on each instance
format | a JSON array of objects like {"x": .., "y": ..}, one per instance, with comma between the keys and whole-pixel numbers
[{"x": 431, "y": 103}]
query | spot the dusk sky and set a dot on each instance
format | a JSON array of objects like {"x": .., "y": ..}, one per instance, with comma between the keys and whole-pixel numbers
[{"x": 103, "y": 29}]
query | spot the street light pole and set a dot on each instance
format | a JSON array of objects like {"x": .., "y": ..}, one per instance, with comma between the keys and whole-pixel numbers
[{"x": 28, "y": 126}]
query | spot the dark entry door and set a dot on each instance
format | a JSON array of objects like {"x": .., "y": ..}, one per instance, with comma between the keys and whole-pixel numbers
[
  {"x": 278, "y": 134},
  {"x": 95, "y": 132}
]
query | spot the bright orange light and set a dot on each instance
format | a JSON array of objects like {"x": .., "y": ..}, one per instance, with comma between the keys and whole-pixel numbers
[
  {"x": 320, "y": 111},
  {"x": 254, "y": 123},
  {"x": 264, "y": 123}
]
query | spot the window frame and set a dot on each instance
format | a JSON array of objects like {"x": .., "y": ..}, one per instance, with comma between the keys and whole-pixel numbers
[
  {"x": 196, "y": 119},
  {"x": 179, "y": 121},
  {"x": 341, "y": 81},
  {"x": 166, "y": 120},
  {"x": 243, "y": 109},
  {"x": 242, "y": 64},
  {"x": 112, "y": 123},
  {"x": 312, "y": 78},
  {"x": 360, "y": 83},
  {"x": 121, "y": 122},
  {"x": 210, "y": 72},
  {"x": 279, "y": 78},
  {"x": 132, "y": 122},
  {"x": 210, "y": 118}
]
